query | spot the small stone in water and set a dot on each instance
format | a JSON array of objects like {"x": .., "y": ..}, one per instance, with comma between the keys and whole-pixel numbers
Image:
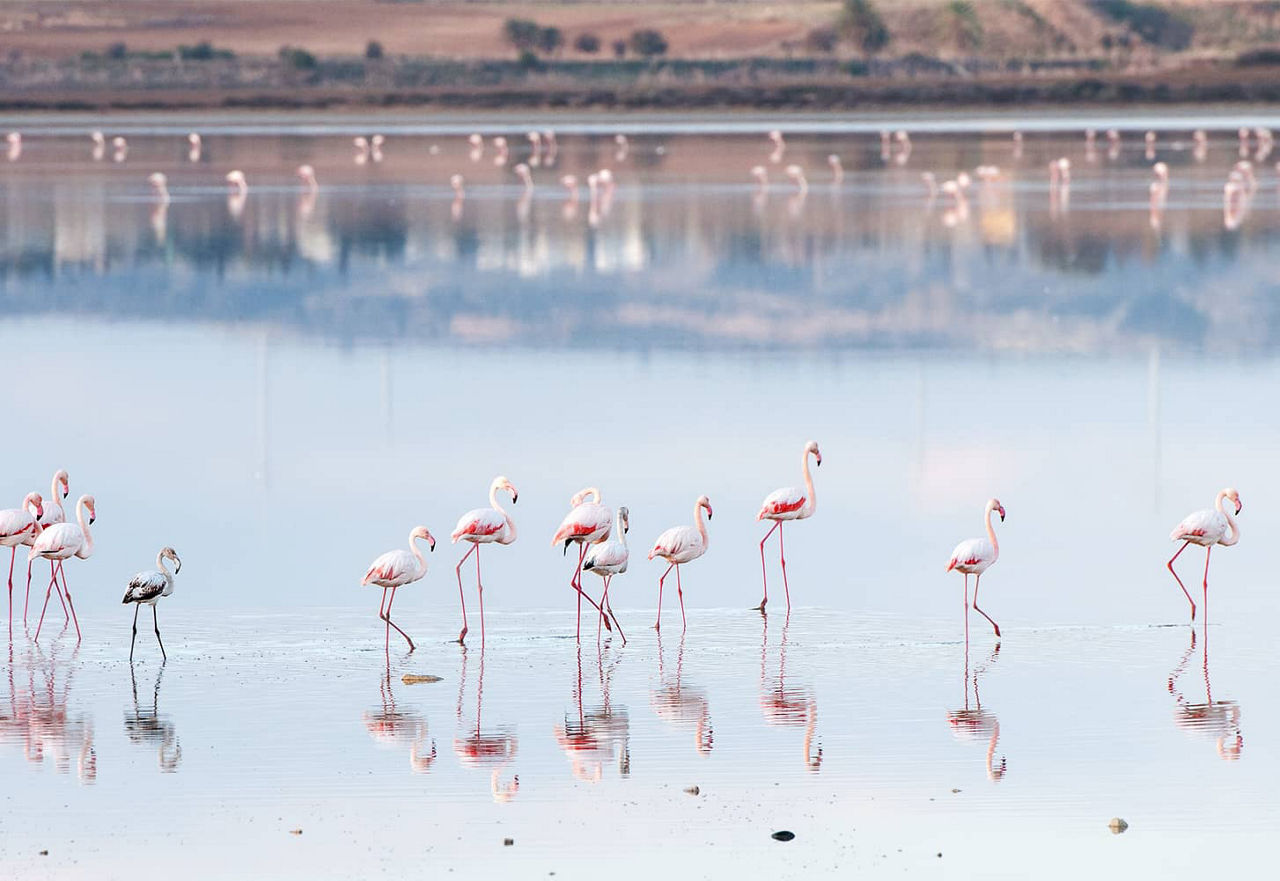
[
  {"x": 44, "y": 853},
  {"x": 783, "y": 835},
  {"x": 692, "y": 790},
  {"x": 507, "y": 842},
  {"x": 415, "y": 678},
  {"x": 1117, "y": 825}
]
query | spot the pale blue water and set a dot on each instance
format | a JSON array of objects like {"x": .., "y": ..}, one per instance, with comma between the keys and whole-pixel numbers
[{"x": 281, "y": 395}]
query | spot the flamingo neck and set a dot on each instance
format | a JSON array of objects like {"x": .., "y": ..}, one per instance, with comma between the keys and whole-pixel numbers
[
  {"x": 163, "y": 569},
  {"x": 991, "y": 536},
  {"x": 1231, "y": 521},
  {"x": 87, "y": 548},
  {"x": 619, "y": 530},
  {"x": 511, "y": 526},
  {"x": 413, "y": 547},
  {"x": 811, "y": 499},
  {"x": 54, "y": 496},
  {"x": 702, "y": 527}
]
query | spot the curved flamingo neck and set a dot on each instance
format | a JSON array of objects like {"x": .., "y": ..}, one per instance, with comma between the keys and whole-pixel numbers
[
  {"x": 163, "y": 569},
  {"x": 991, "y": 535},
  {"x": 702, "y": 527},
  {"x": 87, "y": 548},
  {"x": 1231, "y": 521},
  {"x": 619, "y": 529},
  {"x": 511, "y": 526},
  {"x": 55, "y": 497},
  {"x": 811, "y": 498},
  {"x": 413, "y": 547}
]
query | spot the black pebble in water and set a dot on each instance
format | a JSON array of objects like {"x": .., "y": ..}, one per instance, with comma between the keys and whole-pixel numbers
[
  {"x": 783, "y": 835},
  {"x": 507, "y": 842}
]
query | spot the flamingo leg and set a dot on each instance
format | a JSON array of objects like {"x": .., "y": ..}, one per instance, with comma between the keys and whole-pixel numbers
[
  {"x": 391, "y": 623},
  {"x": 1179, "y": 580},
  {"x": 67, "y": 593},
  {"x": 155, "y": 620},
  {"x": 577, "y": 585},
  {"x": 604, "y": 603},
  {"x": 48, "y": 593},
  {"x": 680, "y": 593},
  {"x": 782, "y": 555},
  {"x": 966, "y": 634},
  {"x": 1207, "y": 552},
  {"x": 12, "y": 557},
  {"x": 764, "y": 572},
  {"x": 658, "y": 624},
  {"x": 976, "y": 585},
  {"x": 134, "y": 640},
  {"x": 383, "y": 617},
  {"x": 27, "y": 601},
  {"x": 461, "y": 595},
  {"x": 480, "y": 593}
]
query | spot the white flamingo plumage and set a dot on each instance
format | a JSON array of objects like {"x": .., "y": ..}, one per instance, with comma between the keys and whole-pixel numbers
[
  {"x": 146, "y": 588},
  {"x": 395, "y": 569},
  {"x": 60, "y": 542},
  {"x": 1213, "y": 526},
  {"x": 586, "y": 523},
  {"x": 307, "y": 175},
  {"x": 59, "y": 489},
  {"x": 788, "y": 503},
  {"x": 975, "y": 556},
  {"x": 679, "y": 545},
  {"x": 608, "y": 558},
  {"x": 20, "y": 526},
  {"x": 484, "y": 526}
]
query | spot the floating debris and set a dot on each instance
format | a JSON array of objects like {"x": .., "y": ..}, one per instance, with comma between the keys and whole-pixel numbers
[
  {"x": 507, "y": 842},
  {"x": 295, "y": 831},
  {"x": 783, "y": 835},
  {"x": 415, "y": 678},
  {"x": 1117, "y": 825}
]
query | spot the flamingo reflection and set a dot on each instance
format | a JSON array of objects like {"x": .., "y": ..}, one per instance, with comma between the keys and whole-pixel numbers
[
  {"x": 38, "y": 718},
  {"x": 147, "y": 727},
  {"x": 789, "y": 707},
  {"x": 680, "y": 705},
  {"x": 392, "y": 727},
  {"x": 1217, "y": 720},
  {"x": 597, "y": 736},
  {"x": 973, "y": 723},
  {"x": 476, "y": 748}
]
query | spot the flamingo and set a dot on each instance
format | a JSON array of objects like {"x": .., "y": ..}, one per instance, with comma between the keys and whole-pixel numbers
[
  {"x": 18, "y": 526},
  {"x": 779, "y": 146},
  {"x": 681, "y": 544},
  {"x": 483, "y": 526},
  {"x": 99, "y": 145},
  {"x": 14, "y": 140},
  {"x": 394, "y": 570},
  {"x": 608, "y": 558},
  {"x": 796, "y": 173},
  {"x": 500, "y": 144},
  {"x": 975, "y": 556},
  {"x": 1161, "y": 172},
  {"x": 59, "y": 489},
  {"x": 788, "y": 503},
  {"x": 526, "y": 176},
  {"x": 761, "y": 177},
  {"x": 476, "y": 140},
  {"x": 238, "y": 182},
  {"x": 586, "y": 523},
  {"x": 195, "y": 146},
  {"x": 535, "y": 145},
  {"x": 1206, "y": 528},
  {"x": 120, "y": 149},
  {"x": 837, "y": 170},
  {"x": 61, "y": 541},
  {"x": 160, "y": 185},
  {"x": 308, "y": 176},
  {"x": 459, "y": 195},
  {"x": 146, "y": 588}
]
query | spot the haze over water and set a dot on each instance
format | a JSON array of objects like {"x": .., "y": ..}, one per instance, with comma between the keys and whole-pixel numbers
[{"x": 282, "y": 390}]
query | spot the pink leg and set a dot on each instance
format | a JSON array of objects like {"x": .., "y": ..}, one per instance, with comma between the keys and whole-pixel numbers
[
  {"x": 976, "y": 585},
  {"x": 480, "y": 593},
  {"x": 658, "y": 624},
  {"x": 604, "y": 598},
  {"x": 680, "y": 593},
  {"x": 27, "y": 601},
  {"x": 67, "y": 593},
  {"x": 1207, "y": 552},
  {"x": 1179, "y": 580},
  {"x": 48, "y": 593},
  {"x": 461, "y": 595},
  {"x": 13, "y": 556},
  {"x": 783, "y": 557},
  {"x": 764, "y": 571},
  {"x": 391, "y": 623},
  {"x": 577, "y": 585}
]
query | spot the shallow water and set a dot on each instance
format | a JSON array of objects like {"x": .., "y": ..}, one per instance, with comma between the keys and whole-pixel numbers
[{"x": 281, "y": 389}]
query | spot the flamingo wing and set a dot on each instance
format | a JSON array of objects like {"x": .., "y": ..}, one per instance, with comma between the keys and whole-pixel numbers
[
  {"x": 393, "y": 566},
  {"x": 676, "y": 541},
  {"x": 14, "y": 522},
  {"x": 584, "y": 520},
  {"x": 480, "y": 522},
  {"x": 1201, "y": 524},
  {"x": 145, "y": 586},
  {"x": 60, "y": 539},
  {"x": 53, "y": 513},
  {"x": 787, "y": 500},
  {"x": 607, "y": 555},
  {"x": 973, "y": 552}
]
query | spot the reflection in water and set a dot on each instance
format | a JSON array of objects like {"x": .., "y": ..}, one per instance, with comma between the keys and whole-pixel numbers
[
  {"x": 789, "y": 706},
  {"x": 1218, "y": 720},
  {"x": 973, "y": 723},
  {"x": 399, "y": 728},
  {"x": 597, "y": 736},
  {"x": 150, "y": 728},
  {"x": 39, "y": 718},
  {"x": 681, "y": 705},
  {"x": 477, "y": 748}
]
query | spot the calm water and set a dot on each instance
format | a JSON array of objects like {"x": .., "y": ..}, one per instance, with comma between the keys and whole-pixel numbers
[{"x": 281, "y": 388}]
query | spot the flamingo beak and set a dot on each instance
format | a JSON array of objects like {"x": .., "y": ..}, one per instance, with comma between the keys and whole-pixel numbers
[
  {"x": 818, "y": 460},
  {"x": 515, "y": 496},
  {"x": 432, "y": 542},
  {"x": 1239, "y": 506},
  {"x": 1002, "y": 514},
  {"x": 177, "y": 564},
  {"x": 567, "y": 542}
]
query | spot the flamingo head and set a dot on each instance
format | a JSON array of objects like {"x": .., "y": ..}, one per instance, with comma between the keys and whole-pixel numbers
[
  {"x": 377, "y": 141},
  {"x": 569, "y": 181},
  {"x": 811, "y": 448},
  {"x": 360, "y": 142},
  {"x": 119, "y": 143},
  {"x": 581, "y": 496},
  {"x": 625, "y": 516},
  {"x": 171, "y": 554},
  {"x": 833, "y": 160},
  {"x": 91, "y": 506},
  {"x": 237, "y": 179},
  {"x": 158, "y": 180},
  {"x": 1231, "y": 493},
  {"x": 994, "y": 505},
  {"x": 500, "y": 142},
  {"x": 193, "y": 139},
  {"x": 475, "y": 140},
  {"x": 98, "y": 138},
  {"x": 34, "y": 500},
  {"x": 758, "y": 172},
  {"x": 704, "y": 502},
  {"x": 422, "y": 533},
  {"x": 62, "y": 479},
  {"x": 306, "y": 172},
  {"x": 456, "y": 182},
  {"x": 504, "y": 484}
]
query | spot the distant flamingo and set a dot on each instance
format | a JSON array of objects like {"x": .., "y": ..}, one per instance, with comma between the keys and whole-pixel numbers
[
  {"x": 788, "y": 503},
  {"x": 779, "y": 146},
  {"x": 308, "y": 176},
  {"x": 761, "y": 177},
  {"x": 796, "y": 173},
  {"x": 535, "y": 142},
  {"x": 146, "y": 588},
  {"x": 482, "y": 526},
  {"x": 195, "y": 145},
  {"x": 837, "y": 170},
  {"x": 607, "y": 559},
  {"x": 977, "y": 555},
  {"x": 1207, "y": 528},
  {"x": 121, "y": 149},
  {"x": 681, "y": 544},
  {"x": 160, "y": 186},
  {"x": 99, "y": 145},
  {"x": 500, "y": 144},
  {"x": 526, "y": 176},
  {"x": 17, "y": 526},
  {"x": 61, "y": 541},
  {"x": 14, "y": 140},
  {"x": 238, "y": 181},
  {"x": 395, "y": 569},
  {"x": 361, "y": 144},
  {"x": 59, "y": 489},
  {"x": 459, "y": 195},
  {"x": 586, "y": 523}
]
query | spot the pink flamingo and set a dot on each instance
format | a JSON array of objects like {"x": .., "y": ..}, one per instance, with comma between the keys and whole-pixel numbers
[
  {"x": 587, "y": 523},
  {"x": 59, "y": 489},
  {"x": 483, "y": 526},
  {"x": 18, "y": 526},
  {"x": 63, "y": 540},
  {"x": 977, "y": 555},
  {"x": 607, "y": 559},
  {"x": 681, "y": 544},
  {"x": 1206, "y": 528},
  {"x": 788, "y": 503},
  {"x": 394, "y": 570}
]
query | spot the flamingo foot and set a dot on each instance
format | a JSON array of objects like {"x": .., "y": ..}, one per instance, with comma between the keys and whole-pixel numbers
[
  {"x": 760, "y": 608},
  {"x": 461, "y": 636}
]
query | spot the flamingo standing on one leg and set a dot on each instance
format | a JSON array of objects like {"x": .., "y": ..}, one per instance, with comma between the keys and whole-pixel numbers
[
  {"x": 19, "y": 526},
  {"x": 146, "y": 588},
  {"x": 586, "y": 523},
  {"x": 63, "y": 540},
  {"x": 977, "y": 555},
  {"x": 394, "y": 570},
  {"x": 1206, "y": 528},
  {"x": 59, "y": 489},
  {"x": 607, "y": 559},
  {"x": 483, "y": 526},
  {"x": 681, "y": 544},
  {"x": 788, "y": 503}
]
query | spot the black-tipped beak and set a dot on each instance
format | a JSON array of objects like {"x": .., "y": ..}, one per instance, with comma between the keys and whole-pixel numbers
[
  {"x": 65, "y": 493},
  {"x": 1002, "y": 516},
  {"x": 708, "y": 514},
  {"x": 515, "y": 497},
  {"x": 1239, "y": 507},
  {"x": 567, "y": 542},
  {"x": 818, "y": 461},
  {"x": 433, "y": 545},
  {"x": 92, "y": 519},
  {"x": 626, "y": 529},
  {"x": 177, "y": 566}
]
